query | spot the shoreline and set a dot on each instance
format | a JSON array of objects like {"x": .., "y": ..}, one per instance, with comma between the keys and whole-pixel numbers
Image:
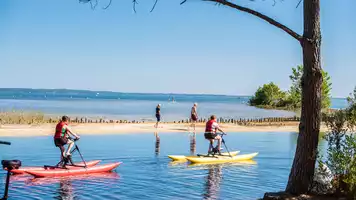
[{"x": 18, "y": 130}]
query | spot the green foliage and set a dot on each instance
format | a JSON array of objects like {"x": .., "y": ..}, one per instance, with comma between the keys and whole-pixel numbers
[
  {"x": 351, "y": 110},
  {"x": 350, "y": 175},
  {"x": 295, "y": 92},
  {"x": 325, "y": 90},
  {"x": 336, "y": 158},
  {"x": 270, "y": 95},
  {"x": 342, "y": 148}
]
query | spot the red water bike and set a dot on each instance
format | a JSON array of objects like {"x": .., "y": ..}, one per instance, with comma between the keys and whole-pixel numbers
[{"x": 9, "y": 165}]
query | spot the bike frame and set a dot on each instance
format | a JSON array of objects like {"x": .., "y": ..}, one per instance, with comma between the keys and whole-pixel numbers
[
  {"x": 7, "y": 183},
  {"x": 65, "y": 160}
]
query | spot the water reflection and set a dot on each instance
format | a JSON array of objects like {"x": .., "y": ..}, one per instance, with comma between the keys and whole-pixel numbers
[
  {"x": 65, "y": 191},
  {"x": 204, "y": 166},
  {"x": 192, "y": 144},
  {"x": 213, "y": 180},
  {"x": 293, "y": 139},
  {"x": 95, "y": 177},
  {"x": 157, "y": 144},
  {"x": 215, "y": 175},
  {"x": 63, "y": 188},
  {"x": 239, "y": 181}
]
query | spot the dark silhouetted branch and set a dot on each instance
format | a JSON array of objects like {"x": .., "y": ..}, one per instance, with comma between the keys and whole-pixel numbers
[
  {"x": 107, "y": 5},
  {"x": 300, "y": 1},
  {"x": 93, "y": 6},
  {"x": 134, "y": 5},
  {"x": 154, "y": 5},
  {"x": 259, "y": 15},
  {"x": 183, "y": 2}
]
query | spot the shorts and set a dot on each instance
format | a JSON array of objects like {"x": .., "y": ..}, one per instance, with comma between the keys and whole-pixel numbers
[
  {"x": 158, "y": 118},
  {"x": 210, "y": 136},
  {"x": 194, "y": 118},
  {"x": 60, "y": 141}
]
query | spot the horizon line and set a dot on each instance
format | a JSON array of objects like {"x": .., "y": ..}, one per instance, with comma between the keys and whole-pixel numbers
[{"x": 165, "y": 93}]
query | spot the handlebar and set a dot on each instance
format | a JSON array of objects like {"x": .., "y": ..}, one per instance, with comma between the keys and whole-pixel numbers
[
  {"x": 74, "y": 139},
  {"x": 4, "y": 142}
]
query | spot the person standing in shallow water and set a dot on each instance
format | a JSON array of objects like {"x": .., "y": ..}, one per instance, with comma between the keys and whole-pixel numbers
[
  {"x": 158, "y": 114},
  {"x": 194, "y": 115}
]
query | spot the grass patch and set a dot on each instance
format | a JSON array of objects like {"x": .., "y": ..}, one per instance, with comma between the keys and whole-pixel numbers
[{"x": 21, "y": 117}]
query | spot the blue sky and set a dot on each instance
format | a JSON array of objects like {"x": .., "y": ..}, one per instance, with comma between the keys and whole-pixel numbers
[{"x": 192, "y": 48}]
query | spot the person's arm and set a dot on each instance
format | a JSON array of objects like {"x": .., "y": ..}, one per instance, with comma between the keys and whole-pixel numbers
[
  {"x": 218, "y": 127},
  {"x": 71, "y": 132},
  {"x": 221, "y": 130}
]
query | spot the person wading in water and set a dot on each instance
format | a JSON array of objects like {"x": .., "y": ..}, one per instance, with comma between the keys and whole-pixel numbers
[
  {"x": 158, "y": 114},
  {"x": 194, "y": 115}
]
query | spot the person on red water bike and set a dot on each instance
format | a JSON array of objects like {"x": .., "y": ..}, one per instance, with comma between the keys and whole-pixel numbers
[
  {"x": 210, "y": 134},
  {"x": 61, "y": 136}
]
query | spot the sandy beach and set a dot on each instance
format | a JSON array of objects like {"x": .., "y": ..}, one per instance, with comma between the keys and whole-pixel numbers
[{"x": 93, "y": 128}]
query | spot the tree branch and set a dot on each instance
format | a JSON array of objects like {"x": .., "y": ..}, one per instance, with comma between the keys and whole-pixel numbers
[
  {"x": 93, "y": 6},
  {"x": 134, "y": 5},
  {"x": 261, "y": 16},
  {"x": 107, "y": 5},
  {"x": 300, "y": 1},
  {"x": 154, "y": 5}
]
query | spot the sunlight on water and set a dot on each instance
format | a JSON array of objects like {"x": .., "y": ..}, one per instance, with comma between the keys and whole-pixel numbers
[{"x": 147, "y": 172}]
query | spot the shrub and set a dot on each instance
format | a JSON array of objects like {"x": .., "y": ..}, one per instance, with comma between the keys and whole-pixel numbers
[
  {"x": 268, "y": 95},
  {"x": 340, "y": 156}
]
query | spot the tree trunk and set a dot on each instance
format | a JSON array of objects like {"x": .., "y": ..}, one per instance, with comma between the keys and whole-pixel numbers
[{"x": 302, "y": 172}]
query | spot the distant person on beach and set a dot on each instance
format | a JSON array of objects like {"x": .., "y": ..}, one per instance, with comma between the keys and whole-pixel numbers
[
  {"x": 210, "y": 133},
  {"x": 194, "y": 115},
  {"x": 158, "y": 114},
  {"x": 61, "y": 136}
]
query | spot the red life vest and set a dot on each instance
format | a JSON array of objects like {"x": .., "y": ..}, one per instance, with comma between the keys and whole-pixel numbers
[
  {"x": 60, "y": 132},
  {"x": 209, "y": 126}
]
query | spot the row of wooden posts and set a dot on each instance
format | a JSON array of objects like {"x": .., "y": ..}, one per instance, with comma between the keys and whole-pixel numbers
[{"x": 202, "y": 120}]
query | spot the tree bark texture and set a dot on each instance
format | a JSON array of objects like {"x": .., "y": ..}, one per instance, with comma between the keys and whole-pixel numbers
[{"x": 302, "y": 171}]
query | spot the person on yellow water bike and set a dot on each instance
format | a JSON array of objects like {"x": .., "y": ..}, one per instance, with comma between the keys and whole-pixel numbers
[
  {"x": 61, "y": 136},
  {"x": 210, "y": 134}
]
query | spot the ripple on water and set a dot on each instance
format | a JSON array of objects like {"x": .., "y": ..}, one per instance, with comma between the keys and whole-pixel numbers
[{"x": 146, "y": 174}]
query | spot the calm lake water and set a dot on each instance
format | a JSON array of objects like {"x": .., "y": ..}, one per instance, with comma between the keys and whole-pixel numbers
[
  {"x": 135, "y": 106},
  {"x": 147, "y": 172}
]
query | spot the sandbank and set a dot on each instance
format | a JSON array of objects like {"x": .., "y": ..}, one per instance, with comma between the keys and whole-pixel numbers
[{"x": 118, "y": 128}]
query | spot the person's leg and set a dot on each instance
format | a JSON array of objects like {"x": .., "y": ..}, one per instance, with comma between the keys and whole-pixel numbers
[
  {"x": 62, "y": 152},
  {"x": 218, "y": 138},
  {"x": 211, "y": 143},
  {"x": 158, "y": 119},
  {"x": 70, "y": 145},
  {"x": 58, "y": 142}
]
